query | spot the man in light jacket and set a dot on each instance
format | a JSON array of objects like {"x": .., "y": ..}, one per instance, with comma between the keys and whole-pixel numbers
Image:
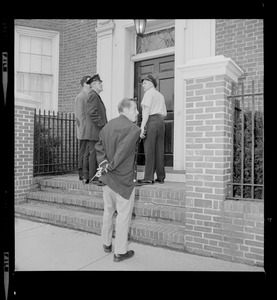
[
  {"x": 153, "y": 113},
  {"x": 80, "y": 117}
]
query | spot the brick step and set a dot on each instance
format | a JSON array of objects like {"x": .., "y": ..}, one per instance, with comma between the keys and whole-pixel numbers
[
  {"x": 67, "y": 199},
  {"x": 150, "y": 232},
  {"x": 93, "y": 204},
  {"x": 169, "y": 193},
  {"x": 60, "y": 185}
]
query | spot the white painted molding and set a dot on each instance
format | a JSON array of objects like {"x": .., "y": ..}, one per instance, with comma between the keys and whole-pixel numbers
[
  {"x": 153, "y": 54},
  {"x": 211, "y": 66},
  {"x": 36, "y": 31},
  {"x": 158, "y": 24},
  {"x": 26, "y": 101},
  {"x": 105, "y": 28},
  {"x": 105, "y": 50},
  {"x": 101, "y": 22}
]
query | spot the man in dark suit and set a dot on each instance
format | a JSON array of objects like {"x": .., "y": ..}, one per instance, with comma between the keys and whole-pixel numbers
[
  {"x": 80, "y": 113},
  {"x": 116, "y": 156},
  {"x": 95, "y": 120}
]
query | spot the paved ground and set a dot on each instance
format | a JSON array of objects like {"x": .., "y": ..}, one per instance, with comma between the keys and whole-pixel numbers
[{"x": 43, "y": 247}]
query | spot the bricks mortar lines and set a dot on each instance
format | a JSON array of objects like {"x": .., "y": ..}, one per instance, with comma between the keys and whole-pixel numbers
[
  {"x": 24, "y": 139},
  {"x": 212, "y": 222},
  {"x": 208, "y": 128}
]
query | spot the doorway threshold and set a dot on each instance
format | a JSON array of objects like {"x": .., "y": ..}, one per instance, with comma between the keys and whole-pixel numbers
[{"x": 170, "y": 174}]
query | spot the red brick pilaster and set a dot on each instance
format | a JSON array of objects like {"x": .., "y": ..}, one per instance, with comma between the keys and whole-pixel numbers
[
  {"x": 208, "y": 137},
  {"x": 24, "y": 148}
]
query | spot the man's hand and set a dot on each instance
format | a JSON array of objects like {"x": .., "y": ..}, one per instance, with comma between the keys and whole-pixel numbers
[
  {"x": 101, "y": 170},
  {"x": 103, "y": 167},
  {"x": 143, "y": 133},
  {"x": 78, "y": 122}
]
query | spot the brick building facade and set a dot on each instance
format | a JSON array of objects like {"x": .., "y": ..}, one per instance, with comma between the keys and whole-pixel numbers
[
  {"x": 77, "y": 54},
  {"x": 242, "y": 40},
  {"x": 216, "y": 54},
  {"x": 239, "y": 39}
]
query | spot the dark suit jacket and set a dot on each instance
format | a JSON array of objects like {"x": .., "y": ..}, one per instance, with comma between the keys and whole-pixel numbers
[
  {"x": 95, "y": 116},
  {"x": 80, "y": 114},
  {"x": 117, "y": 145}
]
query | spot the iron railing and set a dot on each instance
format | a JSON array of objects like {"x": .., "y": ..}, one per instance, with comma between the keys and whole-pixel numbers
[
  {"x": 55, "y": 143},
  {"x": 247, "y": 171}
]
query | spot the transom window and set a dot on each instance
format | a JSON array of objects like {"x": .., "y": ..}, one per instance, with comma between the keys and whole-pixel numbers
[{"x": 156, "y": 40}]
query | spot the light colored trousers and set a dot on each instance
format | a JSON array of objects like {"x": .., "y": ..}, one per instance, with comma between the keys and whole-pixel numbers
[{"x": 114, "y": 202}]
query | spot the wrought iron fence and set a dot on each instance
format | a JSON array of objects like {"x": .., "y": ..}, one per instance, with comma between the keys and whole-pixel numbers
[
  {"x": 247, "y": 174},
  {"x": 55, "y": 143}
]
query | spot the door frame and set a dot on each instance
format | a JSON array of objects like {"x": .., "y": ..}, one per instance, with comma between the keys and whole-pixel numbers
[
  {"x": 153, "y": 54},
  {"x": 194, "y": 39},
  {"x": 121, "y": 36}
]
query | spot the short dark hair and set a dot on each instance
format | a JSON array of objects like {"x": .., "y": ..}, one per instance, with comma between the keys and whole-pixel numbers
[
  {"x": 125, "y": 102},
  {"x": 84, "y": 79}
]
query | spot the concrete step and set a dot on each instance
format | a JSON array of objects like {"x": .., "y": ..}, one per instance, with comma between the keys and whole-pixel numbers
[
  {"x": 169, "y": 193},
  {"x": 158, "y": 217},
  {"x": 150, "y": 232},
  {"x": 95, "y": 205},
  {"x": 171, "y": 174}
]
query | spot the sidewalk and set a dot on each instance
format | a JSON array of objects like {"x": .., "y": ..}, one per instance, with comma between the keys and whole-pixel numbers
[{"x": 43, "y": 247}]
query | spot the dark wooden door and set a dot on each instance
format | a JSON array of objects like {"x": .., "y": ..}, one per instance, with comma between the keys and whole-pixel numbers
[{"x": 163, "y": 69}]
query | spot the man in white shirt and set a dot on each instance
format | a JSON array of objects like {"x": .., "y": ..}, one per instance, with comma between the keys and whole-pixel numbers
[{"x": 152, "y": 131}]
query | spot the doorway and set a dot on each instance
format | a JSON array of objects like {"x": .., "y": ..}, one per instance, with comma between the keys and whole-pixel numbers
[{"x": 162, "y": 69}]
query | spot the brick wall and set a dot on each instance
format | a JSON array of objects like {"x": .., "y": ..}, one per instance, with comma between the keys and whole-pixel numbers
[
  {"x": 24, "y": 145},
  {"x": 208, "y": 137},
  {"x": 215, "y": 226},
  {"x": 239, "y": 39},
  {"x": 242, "y": 40},
  {"x": 77, "y": 54}
]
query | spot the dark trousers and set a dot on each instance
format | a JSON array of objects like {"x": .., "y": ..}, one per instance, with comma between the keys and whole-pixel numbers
[
  {"x": 90, "y": 162},
  {"x": 154, "y": 148},
  {"x": 82, "y": 149}
]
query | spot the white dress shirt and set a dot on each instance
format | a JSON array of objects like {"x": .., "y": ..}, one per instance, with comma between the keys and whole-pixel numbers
[{"x": 155, "y": 101}]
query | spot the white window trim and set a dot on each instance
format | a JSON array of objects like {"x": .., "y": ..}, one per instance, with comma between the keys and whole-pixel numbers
[
  {"x": 152, "y": 26},
  {"x": 153, "y": 54},
  {"x": 55, "y": 36}
]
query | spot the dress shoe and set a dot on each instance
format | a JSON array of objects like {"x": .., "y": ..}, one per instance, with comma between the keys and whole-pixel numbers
[
  {"x": 121, "y": 257},
  {"x": 86, "y": 181},
  {"x": 159, "y": 180},
  {"x": 94, "y": 180},
  {"x": 143, "y": 182},
  {"x": 107, "y": 249},
  {"x": 100, "y": 183}
]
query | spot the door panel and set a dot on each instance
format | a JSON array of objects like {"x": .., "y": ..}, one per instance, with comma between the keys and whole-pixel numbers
[
  {"x": 148, "y": 69},
  {"x": 167, "y": 88},
  {"x": 163, "y": 69}
]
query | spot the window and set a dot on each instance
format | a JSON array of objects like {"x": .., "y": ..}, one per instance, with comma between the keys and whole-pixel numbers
[
  {"x": 156, "y": 40},
  {"x": 36, "y": 63}
]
